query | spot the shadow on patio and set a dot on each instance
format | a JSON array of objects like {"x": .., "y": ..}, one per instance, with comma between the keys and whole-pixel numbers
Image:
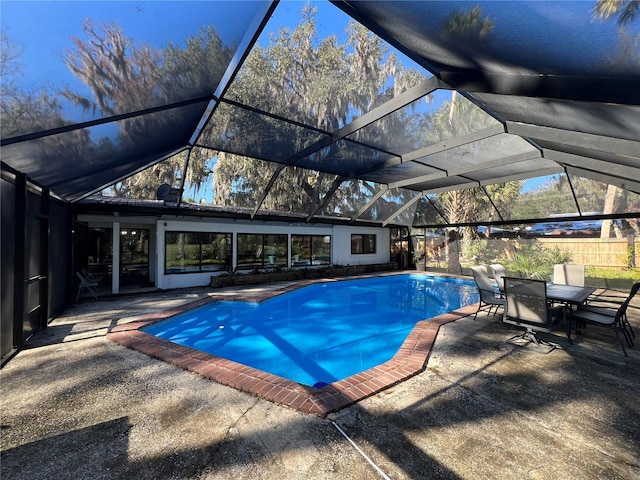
[{"x": 89, "y": 408}]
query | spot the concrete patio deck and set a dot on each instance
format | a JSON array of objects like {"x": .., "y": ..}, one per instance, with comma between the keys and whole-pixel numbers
[{"x": 75, "y": 405}]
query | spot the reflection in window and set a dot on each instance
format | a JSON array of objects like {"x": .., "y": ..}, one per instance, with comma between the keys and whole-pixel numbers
[
  {"x": 191, "y": 252},
  {"x": 260, "y": 251},
  {"x": 309, "y": 250},
  {"x": 363, "y": 243},
  {"x": 100, "y": 254}
]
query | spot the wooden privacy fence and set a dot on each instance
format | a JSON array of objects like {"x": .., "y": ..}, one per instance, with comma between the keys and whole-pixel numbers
[{"x": 596, "y": 252}]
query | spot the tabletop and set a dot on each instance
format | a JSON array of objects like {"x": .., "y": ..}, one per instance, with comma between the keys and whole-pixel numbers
[{"x": 568, "y": 293}]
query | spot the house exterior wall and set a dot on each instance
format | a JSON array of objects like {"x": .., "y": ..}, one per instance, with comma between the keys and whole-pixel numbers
[
  {"x": 340, "y": 244},
  {"x": 340, "y": 241},
  {"x": 125, "y": 222}
]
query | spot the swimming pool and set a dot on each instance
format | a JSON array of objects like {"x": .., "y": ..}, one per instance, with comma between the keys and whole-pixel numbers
[{"x": 320, "y": 333}]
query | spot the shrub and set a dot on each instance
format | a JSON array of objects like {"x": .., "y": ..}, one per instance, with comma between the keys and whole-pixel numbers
[
  {"x": 418, "y": 256},
  {"x": 629, "y": 258},
  {"x": 534, "y": 261},
  {"x": 479, "y": 252}
]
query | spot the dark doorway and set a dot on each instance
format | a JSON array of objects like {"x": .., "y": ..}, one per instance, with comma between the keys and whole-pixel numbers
[
  {"x": 400, "y": 247},
  {"x": 134, "y": 258}
]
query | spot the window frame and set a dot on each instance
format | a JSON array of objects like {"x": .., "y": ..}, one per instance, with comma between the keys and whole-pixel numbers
[
  {"x": 203, "y": 240},
  {"x": 366, "y": 243},
  {"x": 309, "y": 250},
  {"x": 266, "y": 245}
]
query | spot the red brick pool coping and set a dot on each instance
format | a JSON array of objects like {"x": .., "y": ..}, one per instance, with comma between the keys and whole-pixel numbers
[{"x": 410, "y": 360}]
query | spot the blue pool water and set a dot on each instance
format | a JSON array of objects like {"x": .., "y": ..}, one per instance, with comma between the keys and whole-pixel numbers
[{"x": 320, "y": 333}]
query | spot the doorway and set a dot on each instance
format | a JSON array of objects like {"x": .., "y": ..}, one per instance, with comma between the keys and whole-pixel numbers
[
  {"x": 134, "y": 258},
  {"x": 400, "y": 247}
]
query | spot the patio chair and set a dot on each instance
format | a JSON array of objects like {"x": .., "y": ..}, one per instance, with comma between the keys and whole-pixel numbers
[
  {"x": 498, "y": 275},
  {"x": 90, "y": 285},
  {"x": 91, "y": 277},
  {"x": 568, "y": 274},
  {"x": 488, "y": 296},
  {"x": 615, "y": 318},
  {"x": 526, "y": 305}
]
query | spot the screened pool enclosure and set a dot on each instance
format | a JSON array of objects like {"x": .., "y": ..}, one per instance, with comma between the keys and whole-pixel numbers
[{"x": 422, "y": 117}]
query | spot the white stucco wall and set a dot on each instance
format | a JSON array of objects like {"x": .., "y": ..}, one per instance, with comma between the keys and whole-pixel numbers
[
  {"x": 340, "y": 243},
  {"x": 341, "y": 246}
]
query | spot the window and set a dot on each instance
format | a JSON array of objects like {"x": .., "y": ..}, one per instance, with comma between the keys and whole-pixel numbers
[
  {"x": 260, "y": 251},
  {"x": 363, "y": 243},
  {"x": 309, "y": 250},
  {"x": 193, "y": 252}
]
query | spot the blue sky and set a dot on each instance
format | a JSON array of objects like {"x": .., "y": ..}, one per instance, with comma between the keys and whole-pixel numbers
[{"x": 43, "y": 29}]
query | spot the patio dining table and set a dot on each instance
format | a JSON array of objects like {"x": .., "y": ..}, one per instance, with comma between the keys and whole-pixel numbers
[{"x": 568, "y": 295}]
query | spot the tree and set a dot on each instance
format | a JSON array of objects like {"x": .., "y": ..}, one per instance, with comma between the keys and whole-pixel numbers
[
  {"x": 460, "y": 117},
  {"x": 319, "y": 83},
  {"x": 625, "y": 10},
  {"x": 470, "y": 25},
  {"x": 125, "y": 76},
  {"x": 10, "y": 94},
  {"x": 32, "y": 110},
  {"x": 627, "y": 55},
  {"x": 504, "y": 196},
  {"x": 121, "y": 75},
  {"x": 22, "y": 110}
]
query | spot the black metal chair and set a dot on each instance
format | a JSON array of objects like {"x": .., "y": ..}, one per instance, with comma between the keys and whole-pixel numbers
[
  {"x": 488, "y": 296},
  {"x": 526, "y": 305},
  {"x": 615, "y": 318}
]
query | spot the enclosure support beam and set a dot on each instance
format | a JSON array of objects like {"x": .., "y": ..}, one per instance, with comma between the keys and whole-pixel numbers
[
  {"x": 45, "y": 239},
  {"x": 19, "y": 264},
  {"x": 274, "y": 177},
  {"x": 370, "y": 203},
  {"x": 402, "y": 209},
  {"x": 115, "y": 258},
  {"x": 336, "y": 184}
]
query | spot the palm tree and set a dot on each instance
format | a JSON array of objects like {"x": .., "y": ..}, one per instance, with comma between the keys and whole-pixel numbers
[
  {"x": 470, "y": 25},
  {"x": 625, "y": 10}
]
